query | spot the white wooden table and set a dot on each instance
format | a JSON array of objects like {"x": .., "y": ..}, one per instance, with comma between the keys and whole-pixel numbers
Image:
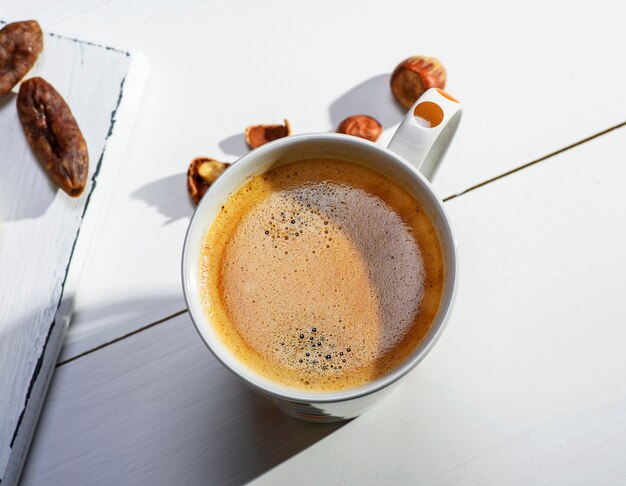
[{"x": 528, "y": 384}]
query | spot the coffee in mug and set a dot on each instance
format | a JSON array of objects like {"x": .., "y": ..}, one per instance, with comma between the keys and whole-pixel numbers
[{"x": 321, "y": 275}]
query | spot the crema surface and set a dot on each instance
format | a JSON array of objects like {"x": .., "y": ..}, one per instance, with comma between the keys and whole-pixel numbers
[{"x": 321, "y": 274}]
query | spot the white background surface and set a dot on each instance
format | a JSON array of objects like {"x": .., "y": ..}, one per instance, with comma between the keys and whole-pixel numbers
[{"x": 527, "y": 385}]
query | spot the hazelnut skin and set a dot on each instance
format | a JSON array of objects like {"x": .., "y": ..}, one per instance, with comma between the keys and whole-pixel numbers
[
  {"x": 257, "y": 135},
  {"x": 362, "y": 126},
  {"x": 413, "y": 76},
  {"x": 201, "y": 174}
]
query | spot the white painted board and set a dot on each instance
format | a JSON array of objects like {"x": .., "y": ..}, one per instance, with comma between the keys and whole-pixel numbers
[
  {"x": 534, "y": 76},
  {"x": 526, "y": 386},
  {"x": 45, "y": 234}
]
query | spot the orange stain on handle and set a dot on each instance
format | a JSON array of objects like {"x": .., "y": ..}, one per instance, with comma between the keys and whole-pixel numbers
[
  {"x": 447, "y": 95},
  {"x": 428, "y": 114}
]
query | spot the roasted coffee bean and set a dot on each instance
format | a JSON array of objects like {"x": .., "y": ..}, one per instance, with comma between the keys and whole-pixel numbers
[
  {"x": 53, "y": 135},
  {"x": 20, "y": 46}
]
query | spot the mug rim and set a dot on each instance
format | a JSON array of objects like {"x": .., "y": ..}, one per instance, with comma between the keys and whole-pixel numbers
[{"x": 447, "y": 302}]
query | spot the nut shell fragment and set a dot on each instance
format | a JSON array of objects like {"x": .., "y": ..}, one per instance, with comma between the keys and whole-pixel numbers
[
  {"x": 201, "y": 174},
  {"x": 413, "y": 76},
  {"x": 362, "y": 126},
  {"x": 53, "y": 135},
  {"x": 20, "y": 46},
  {"x": 257, "y": 135}
]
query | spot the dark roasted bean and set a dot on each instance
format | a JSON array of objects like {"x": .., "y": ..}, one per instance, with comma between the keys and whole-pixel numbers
[
  {"x": 53, "y": 135},
  {"x": 20, "y": 46}
]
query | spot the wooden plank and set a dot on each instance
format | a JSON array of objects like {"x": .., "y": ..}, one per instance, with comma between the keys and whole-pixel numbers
[
  {"x": 527, "y": 384},
  {"x": 40, "y": 226},
  {"x": 534, "y": 77}
]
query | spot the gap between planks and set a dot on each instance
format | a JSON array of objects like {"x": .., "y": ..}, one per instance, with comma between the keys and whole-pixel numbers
[
  {"x": 446, "y": 199},
  {"x": 533, "y": 162},
  {"x": 120, "y": 338}
]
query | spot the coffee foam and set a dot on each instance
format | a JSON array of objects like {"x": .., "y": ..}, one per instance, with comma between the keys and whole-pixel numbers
[{"x": 322, "y": 274}]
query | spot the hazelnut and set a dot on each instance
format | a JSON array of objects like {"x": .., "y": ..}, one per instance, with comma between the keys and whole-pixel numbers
[
  {"x": 361, "y": 126},
  {"x": 257, "y": 135},
  {"x": 413, "y": 76},
  {"x": 201, "y": 174}
]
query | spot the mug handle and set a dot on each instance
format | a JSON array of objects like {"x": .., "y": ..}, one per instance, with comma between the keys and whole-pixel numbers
[{"x": 426, "y": 131}]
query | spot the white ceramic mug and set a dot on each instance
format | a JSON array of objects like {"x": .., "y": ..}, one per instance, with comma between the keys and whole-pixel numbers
[{"x": 412, "y": 158}]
